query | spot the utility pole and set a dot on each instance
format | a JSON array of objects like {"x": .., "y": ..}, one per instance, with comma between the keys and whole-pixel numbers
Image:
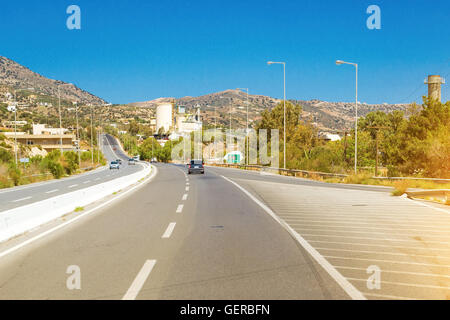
[
  {"x": 92, "y": 150},
  {"x": 98, "y": 138},
  {"x": 60, "y": 121},
  {"x": 376, "y": 139},
  {"x": 78, "y": 135}
]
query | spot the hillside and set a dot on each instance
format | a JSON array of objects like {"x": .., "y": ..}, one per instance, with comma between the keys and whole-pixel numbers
[
  {"x": 16, "y": 76},
  {"x": 331, "y": 116}
]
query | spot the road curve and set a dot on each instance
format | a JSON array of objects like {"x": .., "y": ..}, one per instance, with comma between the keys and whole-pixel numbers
[{"x": 22, "y": 195}]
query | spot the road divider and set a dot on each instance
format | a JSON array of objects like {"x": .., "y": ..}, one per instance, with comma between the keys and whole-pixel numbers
[{"x": 19, "y": 220}]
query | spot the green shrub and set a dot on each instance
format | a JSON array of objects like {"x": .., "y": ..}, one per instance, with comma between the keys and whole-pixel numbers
[
  {"x": 54, "y": 155},
  {"x": 71, "y": 165},
  {"x": 14, "y": 173},
  {"x": 56, "y": 169},
  {"x": 5, "y": 156}
]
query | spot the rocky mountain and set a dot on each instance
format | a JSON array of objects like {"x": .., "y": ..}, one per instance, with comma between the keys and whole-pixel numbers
[
  {"x": 16, "y": 76},
  {"x": 328, "y": 116}
]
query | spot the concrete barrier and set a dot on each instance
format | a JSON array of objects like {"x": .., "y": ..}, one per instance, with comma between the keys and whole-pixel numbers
[{"x": 22, "y": 219}]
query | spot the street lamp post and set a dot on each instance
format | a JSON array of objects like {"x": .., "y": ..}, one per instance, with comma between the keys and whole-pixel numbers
[
  {"x": 284, "y": 108},
  {"x": 339, "y": 62}
]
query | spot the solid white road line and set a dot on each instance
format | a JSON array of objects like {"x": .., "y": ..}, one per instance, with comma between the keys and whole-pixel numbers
[
  {"x": 384, "y": 296},
  {"x": 62, "y": 225},
  {"x": 377, "y": 239},
  {"x": 405, "y": 284},
  {"x": 427, "y": 205},
  {"x": 22, "y": 199},
  {"x": 391, "y": 261},
  {"x": 384, "y": 252},
  {"x": 380, "y": 245},
  {"x": 51, "y": 191},
  {"x": 184, "y": 196},
  {"x": 180, "y": 208},
  {"x": 137, "y": 284},
  {"x": 72, "y": 186},
  {"x": 397, "y": 272},
  {"x": 169, "y": 230},
  {"x": 303, "y": 228},
  {"x": 341, "y": 280}
]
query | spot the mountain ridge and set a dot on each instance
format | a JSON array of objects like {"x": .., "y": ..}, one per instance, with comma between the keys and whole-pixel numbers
[{"x": 17, "y": 76}]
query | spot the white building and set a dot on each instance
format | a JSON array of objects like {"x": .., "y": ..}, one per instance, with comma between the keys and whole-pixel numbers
[{"x": 39, "y": 129}]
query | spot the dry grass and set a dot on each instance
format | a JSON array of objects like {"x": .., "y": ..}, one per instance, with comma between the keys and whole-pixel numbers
[{"x": 400, "y": 187}]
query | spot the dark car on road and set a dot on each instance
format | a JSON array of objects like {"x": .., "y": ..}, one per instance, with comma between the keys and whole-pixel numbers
[
  {"x": 119, "y": 161},
  {"x": 196, "y": 166}
]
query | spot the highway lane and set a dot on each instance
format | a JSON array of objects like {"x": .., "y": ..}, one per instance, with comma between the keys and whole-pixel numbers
[
  {"x": 19, "y": 196},
  {"x": 178, "y": 237},
  {"x": 355, "y": 228},
  {"x": 201, "y": 237}
]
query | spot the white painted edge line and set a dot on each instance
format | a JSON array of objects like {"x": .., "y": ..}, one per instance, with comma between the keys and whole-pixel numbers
[
  {"x": 418, "y": 202},
  {"x": 62, "y": 225},
  {"x": 339, "y": 278},
  {"x": 169, "y": 230},
  {"x": 184, "y": 197},
  {"x": 139, "y": 281},
  {"x": 180, "y": 208}
]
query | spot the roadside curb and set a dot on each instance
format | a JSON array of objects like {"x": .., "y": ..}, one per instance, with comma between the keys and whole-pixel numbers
[{"x": 19, "y": 220}]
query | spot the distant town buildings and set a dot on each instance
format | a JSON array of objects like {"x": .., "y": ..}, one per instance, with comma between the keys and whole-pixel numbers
[{"x": 47, "y": 138}]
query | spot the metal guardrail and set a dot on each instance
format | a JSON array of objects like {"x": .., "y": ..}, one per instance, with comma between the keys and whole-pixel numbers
[
  {"x": 443, "y": 194},
  {"x": 293, "y": 172}
]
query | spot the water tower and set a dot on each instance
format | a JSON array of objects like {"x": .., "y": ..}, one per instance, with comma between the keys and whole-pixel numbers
[
  {"x": 434, "y": 87},
  {"x": 164, "y": 117}
]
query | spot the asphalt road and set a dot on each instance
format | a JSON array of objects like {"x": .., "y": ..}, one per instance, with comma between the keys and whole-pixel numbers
[
  {"x": 22, "y": 195},
  {"x": 203, "y": 237},
  {"x": 199, "y": 236},
  {"x": 356, "y": 228}
]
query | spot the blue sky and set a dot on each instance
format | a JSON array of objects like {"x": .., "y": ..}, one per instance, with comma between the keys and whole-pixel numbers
[{"x": 138, "y": 50}]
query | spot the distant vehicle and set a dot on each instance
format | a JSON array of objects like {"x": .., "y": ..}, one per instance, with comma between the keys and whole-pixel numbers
[
  {"x": 119, "y": 161},
  {"x": 153, "y": 160},
  {"x": 196, "y": 166},
  {"x": 136, "y": 158},
  {"x": 114, "y": 165},
  {"x": 131, "y": 161}
]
